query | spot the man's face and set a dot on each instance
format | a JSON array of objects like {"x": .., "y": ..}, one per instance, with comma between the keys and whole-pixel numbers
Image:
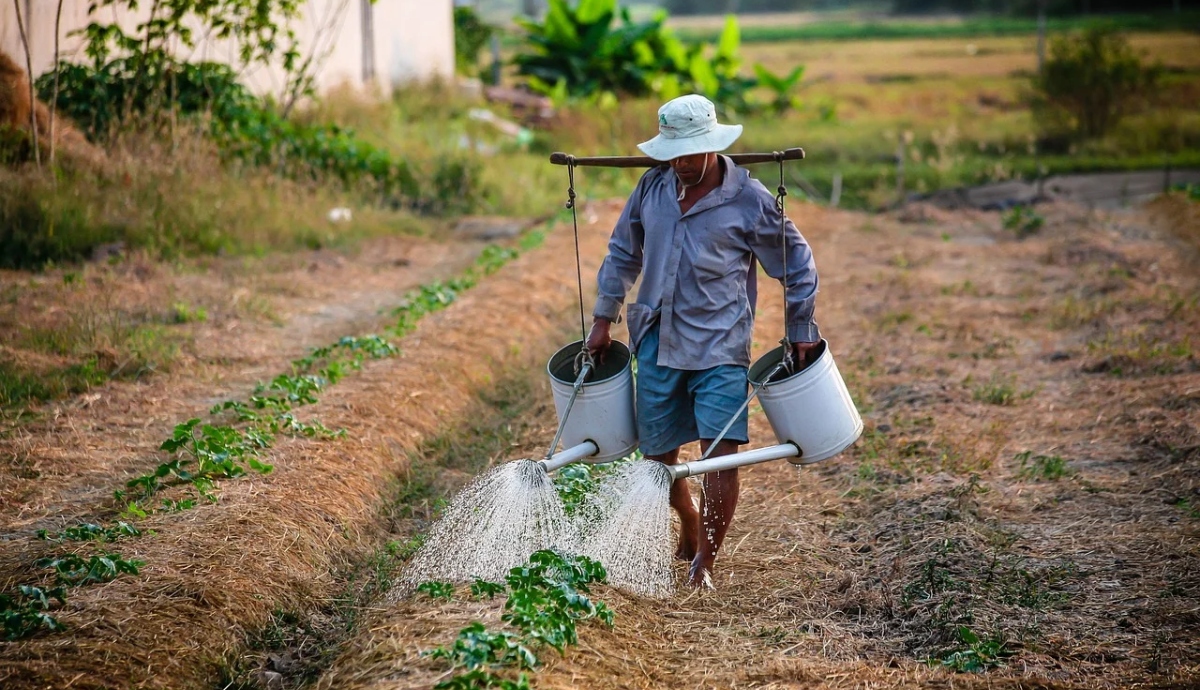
[{"x": 689, "y": 169}]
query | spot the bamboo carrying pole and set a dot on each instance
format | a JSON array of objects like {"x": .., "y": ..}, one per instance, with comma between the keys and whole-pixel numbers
[{"x": 559, "y": 158}]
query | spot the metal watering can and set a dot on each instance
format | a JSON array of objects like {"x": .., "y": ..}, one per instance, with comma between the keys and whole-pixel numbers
[
  {"x": 604, "y": 427},
  {"x": 810, "y": 411}
]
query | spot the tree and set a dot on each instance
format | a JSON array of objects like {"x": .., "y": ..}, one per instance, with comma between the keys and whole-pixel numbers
[{"x": 1090, "y": 81}]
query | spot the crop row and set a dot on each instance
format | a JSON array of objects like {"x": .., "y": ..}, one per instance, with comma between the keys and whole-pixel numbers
[{"x": 202, "y": 454}]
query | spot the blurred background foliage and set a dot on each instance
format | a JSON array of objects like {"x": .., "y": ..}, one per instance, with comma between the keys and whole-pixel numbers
[{"x": 195, "y": 163}]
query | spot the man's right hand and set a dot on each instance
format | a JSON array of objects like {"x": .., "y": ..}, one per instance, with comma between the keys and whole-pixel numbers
[{"x": 599, "y": 340}]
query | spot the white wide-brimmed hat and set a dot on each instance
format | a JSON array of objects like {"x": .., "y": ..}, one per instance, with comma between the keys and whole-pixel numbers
[{"x": 688, "y": 125}]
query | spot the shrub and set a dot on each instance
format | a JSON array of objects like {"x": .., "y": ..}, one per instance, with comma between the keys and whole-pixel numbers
[
  {"x": 578, "y": 52},
  {"x": 1090, "y": 81},
  {"x": 470, "y": 35}
]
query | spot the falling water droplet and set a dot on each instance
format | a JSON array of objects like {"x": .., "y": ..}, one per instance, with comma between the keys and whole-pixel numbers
[
  {"x": 626, "y": 525},
  {"x": 492, "y": 526}
]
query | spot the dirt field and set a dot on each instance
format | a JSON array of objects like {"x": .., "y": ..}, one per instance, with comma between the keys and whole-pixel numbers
[{"x": 1028, "y": 473}]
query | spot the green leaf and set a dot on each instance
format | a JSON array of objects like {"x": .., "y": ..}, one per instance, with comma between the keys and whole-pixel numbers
[{"x": 730, "y": 40}]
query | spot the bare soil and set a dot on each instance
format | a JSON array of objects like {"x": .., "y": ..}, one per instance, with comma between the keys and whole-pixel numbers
[{"x": 1028, "y": 472}]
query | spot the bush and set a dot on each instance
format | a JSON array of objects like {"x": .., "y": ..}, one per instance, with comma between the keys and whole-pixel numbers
[
  {"x": 471, "y": 34},
  {"x": 1090, "y": 81},
  {"x": 578, "y": 52},
  {"x": 245, "y": 129}
]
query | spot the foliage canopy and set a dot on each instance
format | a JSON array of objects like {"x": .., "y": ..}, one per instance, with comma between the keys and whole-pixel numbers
[{"x": 1090, "y": 81}]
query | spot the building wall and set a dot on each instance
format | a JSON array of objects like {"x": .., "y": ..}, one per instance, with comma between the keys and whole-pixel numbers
[{"x": 413, "y": 40}]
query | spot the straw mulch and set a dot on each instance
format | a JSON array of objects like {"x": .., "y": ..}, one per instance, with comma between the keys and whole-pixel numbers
[
  {"x": 857, "y": 572},
  {"x": 273, "y": 542}
]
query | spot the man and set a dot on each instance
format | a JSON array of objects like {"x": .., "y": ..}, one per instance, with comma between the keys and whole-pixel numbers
[{"x": 692, "y": 230}]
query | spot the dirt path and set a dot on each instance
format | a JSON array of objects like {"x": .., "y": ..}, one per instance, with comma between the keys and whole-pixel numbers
[
  {"x": 964, "y": 348},
  {"x": 1028, "y": 472}
]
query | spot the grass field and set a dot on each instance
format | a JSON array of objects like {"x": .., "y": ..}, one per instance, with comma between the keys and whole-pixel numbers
[{"x": 821, "y": 26}]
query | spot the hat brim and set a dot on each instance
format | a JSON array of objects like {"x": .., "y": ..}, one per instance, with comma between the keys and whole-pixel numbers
[{"x": 720, "y": 138}]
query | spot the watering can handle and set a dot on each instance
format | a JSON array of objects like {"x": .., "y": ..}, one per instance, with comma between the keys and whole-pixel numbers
[{"x": 584, "y": 371}]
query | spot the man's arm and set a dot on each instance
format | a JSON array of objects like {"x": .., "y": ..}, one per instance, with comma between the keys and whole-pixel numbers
[
  {"x": 767, "y": 243},
  {"x": 619, "y": 271}
]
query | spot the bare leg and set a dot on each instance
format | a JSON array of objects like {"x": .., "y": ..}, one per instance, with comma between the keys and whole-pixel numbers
[
  {"x": 681, "y": 501},
  {"x": 720, "y": 500}
]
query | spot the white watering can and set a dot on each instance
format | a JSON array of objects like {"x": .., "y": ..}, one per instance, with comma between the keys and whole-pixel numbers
[{"x": 810, "y": 411}]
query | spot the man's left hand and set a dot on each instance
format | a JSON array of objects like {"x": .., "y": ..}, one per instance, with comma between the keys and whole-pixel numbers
[{"x": 804, "y": 353}]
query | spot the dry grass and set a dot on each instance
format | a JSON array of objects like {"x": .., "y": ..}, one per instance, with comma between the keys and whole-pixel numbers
[
  {"x": 852, "y": 573},
  {"x": 219, "y": 571},
  {"x": 980, "y": 57},
  {"x": 855, "y": 572}
]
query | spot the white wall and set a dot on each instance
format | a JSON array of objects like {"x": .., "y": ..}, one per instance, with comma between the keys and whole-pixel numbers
[{"x": 413, "y": 40}]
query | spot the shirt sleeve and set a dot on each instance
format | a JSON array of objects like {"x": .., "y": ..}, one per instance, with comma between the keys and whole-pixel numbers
[
  {"x": 801, "y": 281},
  {"x": 624, "y": 261}
]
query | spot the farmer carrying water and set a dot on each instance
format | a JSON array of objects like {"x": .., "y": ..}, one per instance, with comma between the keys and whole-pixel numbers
[{"x": 693, "y": 230}]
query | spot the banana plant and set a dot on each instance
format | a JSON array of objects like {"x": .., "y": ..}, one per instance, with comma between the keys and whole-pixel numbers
[{"x": 782, "y": 87}]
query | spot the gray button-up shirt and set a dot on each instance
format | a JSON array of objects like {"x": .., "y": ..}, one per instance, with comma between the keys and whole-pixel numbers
[{"x": 697, "y": 272}]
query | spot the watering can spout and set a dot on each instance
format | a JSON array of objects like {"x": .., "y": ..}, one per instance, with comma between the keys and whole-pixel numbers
[
  {"x": 569, "y": 455},
  {"x": 728, "y": 462}
]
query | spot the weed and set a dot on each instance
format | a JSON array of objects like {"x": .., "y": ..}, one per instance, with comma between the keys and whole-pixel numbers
[
  {"x": 933, "y": 577},
  {"x": 182, "y": 313},
  {"x": 1037, "y": 467},
  {"x": 1191, "y": 507},
  {"x": 977, "y": 654},
  {"x": 1023, "y": 220},
  {"x": 1031, "y": 588},
  {"x": 437, "y": 590},
  {"x": 998, "y": 390},
  {"x": 890, "y": 320}
]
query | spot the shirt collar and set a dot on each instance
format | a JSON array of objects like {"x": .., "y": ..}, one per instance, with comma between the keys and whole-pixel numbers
[{"x": 733, "y": 179}]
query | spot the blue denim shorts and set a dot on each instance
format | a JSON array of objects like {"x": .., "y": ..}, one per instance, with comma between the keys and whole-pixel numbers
[{"x": 676, "y": 406}]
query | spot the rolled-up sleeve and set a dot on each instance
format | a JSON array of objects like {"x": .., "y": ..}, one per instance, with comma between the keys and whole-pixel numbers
[
  {"x": 801, "y": 279},
  {"x": 624, "y": 261}
]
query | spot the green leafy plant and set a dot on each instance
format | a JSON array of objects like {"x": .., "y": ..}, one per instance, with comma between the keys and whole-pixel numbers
[
  {"x": 480, "y": 679},
  {"x": 477, "y": 647},
  {"x": 471, "y": 34},
  {"x": 72, "y": 569},
  {"x": 782, "y": 87},
  {"x": 24, "y": 611},
  {"x": 483, "y": 588},
  {"x": 1048, "y": 467},
  {"x": 578, "y": 52},
  {"x": 437, "y": 590},
  {"x": 91, "y": 532},
  {"x": 574, "y": 483},
  {"x": 546, "y": 598},
  {"x": 977, "y": 655},
  {"x": 1023, "y": 220}
]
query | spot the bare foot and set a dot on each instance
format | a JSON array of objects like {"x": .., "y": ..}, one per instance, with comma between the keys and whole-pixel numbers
[{"x": 700, "y": 575}]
